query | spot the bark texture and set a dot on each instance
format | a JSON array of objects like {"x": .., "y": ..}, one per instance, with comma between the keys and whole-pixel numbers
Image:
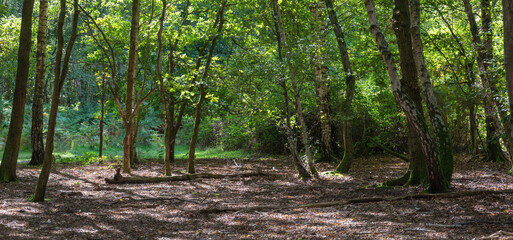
[
  {"x": 12, "y": 145},
  {"x": 130, "y": 84},
  {"x": 442, "y": 137},
  {"x": 322, "y": 85},
  {"x": 36, "y": 132}
]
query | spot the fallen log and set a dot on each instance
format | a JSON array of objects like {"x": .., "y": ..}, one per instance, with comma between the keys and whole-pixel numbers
[
  {"x": 119, "y": 179},
  {"x": 355, "y": 201}
]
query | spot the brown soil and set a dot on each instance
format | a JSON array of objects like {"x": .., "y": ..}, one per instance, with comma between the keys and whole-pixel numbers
[{"x": 82, "y": 206}]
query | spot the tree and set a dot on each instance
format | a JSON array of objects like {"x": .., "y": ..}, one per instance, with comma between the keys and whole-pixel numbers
[
  {"x": 218, "y": 25},
  {"x": 129, "y": 115},
  {"x": 322, "y": 84},
  {"x": 507, "y": 10},
  {"x": 436, "y": 181},
  {"x": 36, "y": 136},
  {"x": 61, "y": 70},
  {"x": 491, "y": 103},
  {"x": 416, "y": 173},
  {"x": 12, "y": 146},
  {"x": 291, "y": 141},
  {"x": 299, "y": 108},
  {"x": 346, "y": 109}
]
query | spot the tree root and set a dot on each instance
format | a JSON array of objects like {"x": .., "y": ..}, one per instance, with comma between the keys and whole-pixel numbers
[{"x": 355, "y": 201}]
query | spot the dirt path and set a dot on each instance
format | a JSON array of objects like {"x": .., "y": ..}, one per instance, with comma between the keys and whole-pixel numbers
[{"x": 82, "y": 206}]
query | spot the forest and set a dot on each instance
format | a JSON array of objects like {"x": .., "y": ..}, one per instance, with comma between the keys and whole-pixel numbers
[{"x": 256, "y": 119}]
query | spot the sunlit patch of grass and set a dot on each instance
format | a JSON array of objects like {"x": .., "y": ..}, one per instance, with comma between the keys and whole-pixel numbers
[{"x": 183, "y": 152}]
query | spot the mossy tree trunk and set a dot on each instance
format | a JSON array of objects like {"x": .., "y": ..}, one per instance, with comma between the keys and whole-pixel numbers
[
  {"x": 345, "y": 107},
  {"x": 435, "y": 177},
  {"x": 442, "y": 137}
]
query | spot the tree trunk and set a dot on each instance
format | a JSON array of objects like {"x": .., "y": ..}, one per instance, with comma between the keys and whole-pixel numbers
[
  {"x": 130, "y": 83},
  {"x": 36, "y": 136},
  {"x": 507, "y": 10},
  {"x": 416, "y": 173},
  {"x": 436, "y": 183},
  {"x": 322, "y": 85},
  {"x": 304, "y": 133},
  {"x": 60, "y": 76},
  {"x": 490, "y": 107},
  {"x": 197, "y": 119},
  {"x": 219, "y": 22},
  {"x": 102, "y": 116},
  {"x": 12, "y": 145},
  {"x": 291, "y": 141},
  {"x": 346, "y": 109},
  {"x": 442, "y": 142}
]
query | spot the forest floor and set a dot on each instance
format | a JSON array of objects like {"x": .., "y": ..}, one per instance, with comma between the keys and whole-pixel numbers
[{"x": 82, "y": 206}]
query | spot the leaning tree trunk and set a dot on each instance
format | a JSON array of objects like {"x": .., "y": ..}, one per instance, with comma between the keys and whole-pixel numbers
[
  {"x": 36, "y": 136},
  {"x": 60, "y": 76},
  {"x": 12, "y": 145},
  {"x": 130, "y": 84},
  {"x": 416, "y": 173},
  {"x": 436, "y": 181},
  {"x": 304, "y": 133},
  {"x": 291, "y": 141},
  {"x": 507, "y": 10},
  {"x": 442, "y": 136}
]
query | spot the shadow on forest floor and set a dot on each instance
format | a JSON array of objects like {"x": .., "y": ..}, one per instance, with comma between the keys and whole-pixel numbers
[{"x": 82, "y": 206}]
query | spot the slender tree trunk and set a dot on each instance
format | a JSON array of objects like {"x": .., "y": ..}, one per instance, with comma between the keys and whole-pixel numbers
[
  {"x": 12, "y": 145},
  {"x": 60, "y": 76},
  {"x": 507, "y": 10},
  {"x": 291, "y": 142},
  {"x": 304, "y": 133},
  {"x": 219, "y": 22},
  {"x": 197, "y": 118},
  {"x": 346, "y": 109},
  {"x": 102, "y": 116},
  {"x": 36, "y": 136},
  {"x": 436, "y": 182},
  {"x": 130, "y": 83},
  {"x": 322, "y": 85}
]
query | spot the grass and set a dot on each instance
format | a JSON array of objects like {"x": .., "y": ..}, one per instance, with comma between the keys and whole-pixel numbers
[{"x": 145, "y": 152}]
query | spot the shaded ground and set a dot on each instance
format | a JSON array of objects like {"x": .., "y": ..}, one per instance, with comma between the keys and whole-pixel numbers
[{"x": 82, "y": 206}]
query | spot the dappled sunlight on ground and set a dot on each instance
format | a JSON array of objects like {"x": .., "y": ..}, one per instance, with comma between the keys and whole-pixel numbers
[{"x": 82, "y": 206}]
